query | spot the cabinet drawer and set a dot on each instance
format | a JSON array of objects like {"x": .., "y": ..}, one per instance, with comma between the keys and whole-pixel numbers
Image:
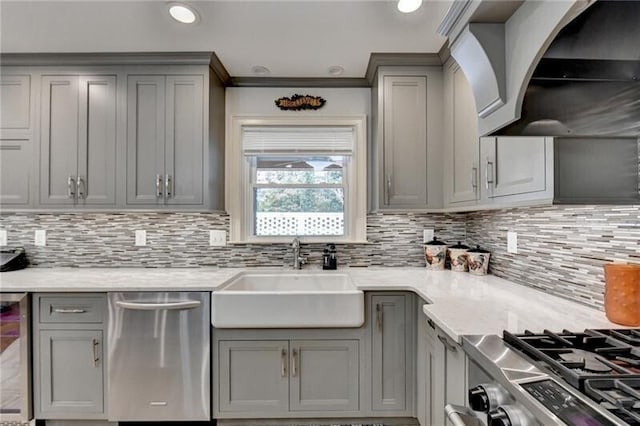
[{"x": 72, "y": 309}]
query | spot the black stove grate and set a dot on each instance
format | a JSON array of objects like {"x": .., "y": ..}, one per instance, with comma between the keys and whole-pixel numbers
[
  {"x": 620, "y": 396},
  {"x": 579, "y": 356}
]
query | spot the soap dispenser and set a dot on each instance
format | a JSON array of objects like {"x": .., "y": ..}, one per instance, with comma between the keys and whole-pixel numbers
[{"x": 329, "y": 259}]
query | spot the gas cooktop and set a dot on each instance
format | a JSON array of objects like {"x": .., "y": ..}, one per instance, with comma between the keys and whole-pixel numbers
[{"x": 602, "y": 364}]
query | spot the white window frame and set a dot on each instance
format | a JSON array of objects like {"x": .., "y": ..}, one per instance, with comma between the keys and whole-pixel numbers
[{"x": 238, "y": 184}]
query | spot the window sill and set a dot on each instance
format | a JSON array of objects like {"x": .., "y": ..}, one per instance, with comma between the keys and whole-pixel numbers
[{"x": 272, "y": 241}]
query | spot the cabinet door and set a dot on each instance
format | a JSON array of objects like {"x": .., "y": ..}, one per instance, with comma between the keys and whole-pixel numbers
[
  {"x": 389, "y": 366},
  {"x": 97, "y": 144},
  {"x": 15, "y": 171},
  {"x": 405, "y": 141},
  {"x": 324, "y": 375},
  {"x": 59, "y": 139},
  {"x": 15, "y": 102},
  {"x": 455, "y": 374},
  {"x": 514, "y": 165},
  {"x": 462, "y": 179},
  {"x": 254, "y": 376},
  {"x": 435, "y": 377},
  {"x": 184, "y": 149},
  {"x": 71, "y": 373},
  {"x": 145, "y": 139}
]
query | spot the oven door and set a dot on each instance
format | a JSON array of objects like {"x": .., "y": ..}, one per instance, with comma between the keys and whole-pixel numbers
[
  {"x": 463, "y": 416},
  {"x": 15, "y": 350}
]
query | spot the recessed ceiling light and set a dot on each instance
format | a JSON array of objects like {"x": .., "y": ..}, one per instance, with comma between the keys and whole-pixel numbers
[
  {"x": 336, "y": 70},
  {"x": 260, "y": 70},
  {"x": 183, "y": 13},
  {"x": 408, "y": 6}
]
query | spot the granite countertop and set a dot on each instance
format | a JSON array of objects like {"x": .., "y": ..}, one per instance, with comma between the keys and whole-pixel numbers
[{"x": 458, "y": 303}]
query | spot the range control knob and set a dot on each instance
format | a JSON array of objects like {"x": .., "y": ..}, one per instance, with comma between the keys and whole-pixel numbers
[
  {"x": 499, "y": 418},
  {"x": 487, "y": 397},
  {"x": 478, "y": 399},
  {"x": 510, "y": 415}
]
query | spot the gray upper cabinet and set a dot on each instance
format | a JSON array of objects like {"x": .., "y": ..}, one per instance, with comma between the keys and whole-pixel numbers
[
  {"x": 253, "y": 376},
  {"x": 392, "y": 353},
  {"x": 324, "y": 375},
  {"x": 515, "y": 168},
  {"x": 16, "y": 156},
  {"x": 461, "y": 134},
  {"x": 406, "y": 134},
  {"x": 165, "y": 139},
  {"x": 78, "y": 140},
  {"x": 15, "y": 102},
  {"x": 405, "y": 141}
]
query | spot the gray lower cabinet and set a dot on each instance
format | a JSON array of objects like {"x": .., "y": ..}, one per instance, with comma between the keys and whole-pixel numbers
[
  {"x": 71, "y": 372},
  {"x": 78, "y": 140},
  {"x": 324, "y": 375},
  {"x": 446, "y": 370},
  {"x": 392, "y": 352},
  {"x": 253, "y": 376},
  {"x": 276, "y": 377},
  {"x": 165, "y": 139},
  {"x": 69, "y": 356}
]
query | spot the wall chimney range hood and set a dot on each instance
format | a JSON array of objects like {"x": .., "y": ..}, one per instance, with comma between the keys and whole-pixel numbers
[{"x": 588, "y": 81}]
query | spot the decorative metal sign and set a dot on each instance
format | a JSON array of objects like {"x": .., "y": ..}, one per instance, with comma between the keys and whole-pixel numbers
[{"x": 299, "y": 102}]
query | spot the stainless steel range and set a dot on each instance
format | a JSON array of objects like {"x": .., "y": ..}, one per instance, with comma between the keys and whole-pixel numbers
[{"x": 586, "y": 378}]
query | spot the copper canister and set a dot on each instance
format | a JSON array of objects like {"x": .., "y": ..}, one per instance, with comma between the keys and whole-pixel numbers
[{"x": 622, "y": 293}]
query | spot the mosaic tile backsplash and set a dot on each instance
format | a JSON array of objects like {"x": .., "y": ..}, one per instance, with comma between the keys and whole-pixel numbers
[
  {"x": 561, "y": 249},
  {"x": 182, "y": 240}
]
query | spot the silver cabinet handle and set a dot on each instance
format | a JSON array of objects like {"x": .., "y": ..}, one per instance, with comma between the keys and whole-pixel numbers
[
  {"x": 388, "y": 188},
  {"x": 447, "y": 345},
  {"x": 294, "y": 363},
  {"x": 80, "y": 187},
  {"x": 474, "y": 179},
  {"x": 158, "y": 186},
  {"x": 283, "y": 363},
  {"x": 190, "y": 304},
  {"x": 94, "y": 348},
  {"x": 487, "y": 174},
  {"x": 168, "y": 184},
  {"x": 69, "y": 310},
  {"x": 379, "y": 317},
  {"x": 431, "y": 323},
  {"x": 71, "y": 187}
]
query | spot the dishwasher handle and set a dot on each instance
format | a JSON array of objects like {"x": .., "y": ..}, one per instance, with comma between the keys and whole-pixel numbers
[{"x": 188, "y": 304}]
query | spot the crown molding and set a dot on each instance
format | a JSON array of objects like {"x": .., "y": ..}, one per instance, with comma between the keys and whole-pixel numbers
[
  {"x": 218, "y": 68},
  {"x": 128, "y": 58},
  {"x": 454, "y": 13},
  {"x": 297, "y": 82},
  {"x": 399, "y": 59}
]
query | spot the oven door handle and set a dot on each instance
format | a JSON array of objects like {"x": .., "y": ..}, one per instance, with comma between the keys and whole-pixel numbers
[{"x": 461, "y": 416}]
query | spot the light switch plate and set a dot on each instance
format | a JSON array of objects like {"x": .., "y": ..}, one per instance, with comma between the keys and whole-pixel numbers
[
  {"x": 141, "y": 237},
  {"x": 217, "y": 238},
  {"x": 40, "y": 238},
  {"x": 512, "y": 242},
  {"x": 3, "y": 237},
  {"x": 427, "y": 235}
]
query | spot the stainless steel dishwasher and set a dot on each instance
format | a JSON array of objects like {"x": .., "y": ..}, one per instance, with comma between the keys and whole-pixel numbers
[{"x": 159, "y": 356}]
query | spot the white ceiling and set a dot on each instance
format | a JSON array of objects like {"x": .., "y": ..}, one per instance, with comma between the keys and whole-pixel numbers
[{"x": 300, "y": 38}]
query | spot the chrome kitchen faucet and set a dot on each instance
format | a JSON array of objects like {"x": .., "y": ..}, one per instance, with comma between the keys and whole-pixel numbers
[{"x": 298, "y": 260}]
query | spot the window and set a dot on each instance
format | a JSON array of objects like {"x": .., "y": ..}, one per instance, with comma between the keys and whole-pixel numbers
[{"x": 297, "y": 180}]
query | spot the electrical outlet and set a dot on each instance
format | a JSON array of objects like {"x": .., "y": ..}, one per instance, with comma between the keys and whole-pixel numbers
[
  {"x": 427, "y": 235},
  {"x": 512, "y": 242},
  {"x": 40, "y": 238},
  {"x": 141, "y": 237},
  {"x": 217, "y": 238},
  {"x": 3, "y": 237}
]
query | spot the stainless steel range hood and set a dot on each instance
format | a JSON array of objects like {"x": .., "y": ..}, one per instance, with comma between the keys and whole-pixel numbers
[{"x": 588, "y": 81}]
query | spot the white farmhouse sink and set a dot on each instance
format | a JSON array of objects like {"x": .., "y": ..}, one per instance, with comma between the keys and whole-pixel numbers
[{"x": 295, "y": 299}]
